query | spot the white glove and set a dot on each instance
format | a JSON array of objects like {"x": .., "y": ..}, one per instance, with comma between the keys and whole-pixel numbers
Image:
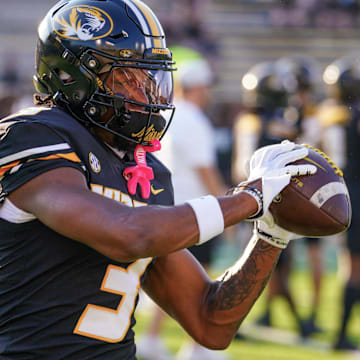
[
  {"x": 269, "y": 164},
  {"x": 267, "y": 230}
]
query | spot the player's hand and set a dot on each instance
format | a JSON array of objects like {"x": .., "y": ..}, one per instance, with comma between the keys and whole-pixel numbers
[
  {"x": 270, "y": 163},
  {"x": 267, "y": 230}
]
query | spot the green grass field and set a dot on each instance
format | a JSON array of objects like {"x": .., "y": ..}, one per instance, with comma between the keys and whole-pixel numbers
[{"x": 281, "y": 342}]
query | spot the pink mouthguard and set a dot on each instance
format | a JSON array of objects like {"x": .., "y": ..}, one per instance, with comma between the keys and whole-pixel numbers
[{"x": 141, "y": 173}]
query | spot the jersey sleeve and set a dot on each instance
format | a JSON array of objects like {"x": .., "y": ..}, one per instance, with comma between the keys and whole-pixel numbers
[{"x": 30, "y": 149}]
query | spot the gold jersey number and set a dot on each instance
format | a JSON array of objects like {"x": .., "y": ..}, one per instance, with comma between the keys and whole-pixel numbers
[{"x": 107, "y": 324}]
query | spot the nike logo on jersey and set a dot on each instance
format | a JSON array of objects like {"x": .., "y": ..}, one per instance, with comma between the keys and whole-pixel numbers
[{"x": 156, "y": 191}]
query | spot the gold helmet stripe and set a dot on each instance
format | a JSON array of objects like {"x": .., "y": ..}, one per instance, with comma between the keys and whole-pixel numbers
[
  {"x": 149, "y": 22},
  {"x": 142, "y": 21}
]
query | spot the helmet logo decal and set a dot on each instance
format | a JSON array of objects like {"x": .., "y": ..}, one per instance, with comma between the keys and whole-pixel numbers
[
  {"x": 82, "y": 22},
  {"x": 151, "y": 134},
  {"x": 94, "y": 163}
]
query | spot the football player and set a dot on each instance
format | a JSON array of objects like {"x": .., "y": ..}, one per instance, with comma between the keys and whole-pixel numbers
[
  {"x": 339, "y": 116},
  {"x": 87, "y": 213},
  {"x": 301, "y": 75},
  {"x": 276, "y": 100}
]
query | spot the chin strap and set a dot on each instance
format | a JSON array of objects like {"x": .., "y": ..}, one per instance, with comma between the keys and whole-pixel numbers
[{"x": 141, "y": 173}]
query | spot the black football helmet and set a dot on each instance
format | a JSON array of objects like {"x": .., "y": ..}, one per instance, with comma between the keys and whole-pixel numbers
[
  {"x": 342, "y": 78},
  {"x": 299, "y": 73},
  {"x": 106, "y": 62},
  {"x": 264, "y": 88}
]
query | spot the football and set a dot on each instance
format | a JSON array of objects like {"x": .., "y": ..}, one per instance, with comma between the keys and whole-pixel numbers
[{"x": 314, "y": 205}]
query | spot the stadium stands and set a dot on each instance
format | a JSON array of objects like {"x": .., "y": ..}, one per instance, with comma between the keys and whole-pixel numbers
[{"x": 244, "y": 31}]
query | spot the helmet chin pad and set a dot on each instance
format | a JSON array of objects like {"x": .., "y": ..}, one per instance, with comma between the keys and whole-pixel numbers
[{"x": 140, "y": 128}]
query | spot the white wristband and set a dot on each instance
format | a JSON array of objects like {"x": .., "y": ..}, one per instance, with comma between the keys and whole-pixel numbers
[{"x": 209, "y": 217}]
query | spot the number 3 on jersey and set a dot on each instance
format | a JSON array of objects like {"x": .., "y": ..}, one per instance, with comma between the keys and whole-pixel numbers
[{"x": 107, "y": 324}]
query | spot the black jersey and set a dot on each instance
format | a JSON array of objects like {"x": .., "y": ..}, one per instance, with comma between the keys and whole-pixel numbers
[
  {"x": 352, "y": 168},
  {"x": 60, "y": 299},
  {"x": 352, "y": 174}
]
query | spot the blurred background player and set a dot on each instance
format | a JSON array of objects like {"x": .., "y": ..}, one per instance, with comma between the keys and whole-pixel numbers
[
  {"x": 340, "y": 117},
  {"x": 191, "y": 157},
  {"x": 265, "y": 121},
  {"x": 302, "y": 76},
  {"x": 279, "y": 104}
]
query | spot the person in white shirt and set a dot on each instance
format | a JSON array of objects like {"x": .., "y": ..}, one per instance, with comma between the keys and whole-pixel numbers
[{"x": 189, "y": 151}]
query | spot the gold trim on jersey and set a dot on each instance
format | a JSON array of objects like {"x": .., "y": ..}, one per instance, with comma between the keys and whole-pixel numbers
[
  {"x": 70, "y": 156},
  {"x": 33, "y": 151},
  {"x": 7, "y": 167},
  {"x": 116, "y": 195}
]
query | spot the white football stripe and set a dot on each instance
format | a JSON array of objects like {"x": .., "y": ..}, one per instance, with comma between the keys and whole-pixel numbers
[
  {"x": 322, "y": 195},
  {"x": 33, "y": 151},
  {"x": 142, "y": 20}
]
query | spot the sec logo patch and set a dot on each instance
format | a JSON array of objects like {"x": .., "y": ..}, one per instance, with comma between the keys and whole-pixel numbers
[{"x": 94, "y": 163}]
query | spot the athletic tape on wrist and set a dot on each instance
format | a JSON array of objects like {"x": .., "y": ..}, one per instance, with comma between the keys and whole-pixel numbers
[
  {"x": 209, "y": 217},
  {"x": 279, "y": 243}
]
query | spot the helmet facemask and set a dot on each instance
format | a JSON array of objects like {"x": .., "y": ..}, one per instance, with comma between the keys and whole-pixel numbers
[{"x": 133, "y": 100}]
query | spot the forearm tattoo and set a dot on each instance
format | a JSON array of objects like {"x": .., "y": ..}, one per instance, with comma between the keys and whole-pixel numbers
[{"x": 246, "y": 280}]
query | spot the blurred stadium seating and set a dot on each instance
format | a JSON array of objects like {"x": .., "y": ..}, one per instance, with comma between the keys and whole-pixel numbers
[{"x": 245, "y": 32}]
